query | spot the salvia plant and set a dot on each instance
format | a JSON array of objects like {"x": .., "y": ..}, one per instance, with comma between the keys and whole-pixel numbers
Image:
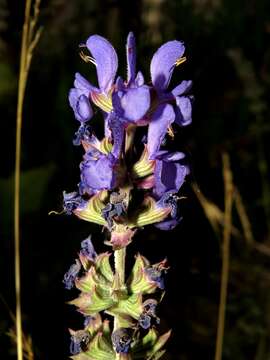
[{"x": 127, "y": 180}]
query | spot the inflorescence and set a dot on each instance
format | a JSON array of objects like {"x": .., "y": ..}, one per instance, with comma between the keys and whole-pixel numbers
[{"x": 128, "y": 179}]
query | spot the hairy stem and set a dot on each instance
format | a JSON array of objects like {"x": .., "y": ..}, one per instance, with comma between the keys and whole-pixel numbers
[{"x": 119, "y": 263}]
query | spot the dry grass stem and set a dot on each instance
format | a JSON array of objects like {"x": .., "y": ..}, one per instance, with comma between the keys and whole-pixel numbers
[
  {"x": 228, "y": 199},
  {"x": 213, "y": 213},
  {"x": 246, "y": 225},
  {"x": 30, "y": 38}
]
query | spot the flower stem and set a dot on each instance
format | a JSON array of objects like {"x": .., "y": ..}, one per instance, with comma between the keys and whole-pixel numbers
[{"x": 119, "y": 263}]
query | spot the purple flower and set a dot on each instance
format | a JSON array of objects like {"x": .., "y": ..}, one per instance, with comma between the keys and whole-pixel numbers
[
  {"x": 122, "y": 102},
  {"x": 155, "y": 273},
  {"x": 71, "y": 275},
  {"x": 169, "y": 200},
  {"x": 105, "y": 59},
  {"x": 121, "y": 340},
  {"x": 169, "y": 174},
  {"x": 163, "y": 63},
  {"x": 131, "y": 57},
  {"x": 82, "y": 134},
  {"x": 98, "y": 173},
  {"x": 149, "y": 313},
  {"x": 115, "y": 208},
  {"x": 161, "y": 119},
  {"x": 144, "y": 321},
  {"x": 87, "y": 249},
  {"x": 168, "y": 224},
  {"x": 79, "y": 99},
  {"x": 71, "y": 201},
  {"x": 87, "y": 320},
  {"x": 79, "y": 341}
]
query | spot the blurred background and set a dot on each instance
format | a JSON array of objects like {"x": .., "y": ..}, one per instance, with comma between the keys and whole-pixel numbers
[{"x": 228, "y": 58}]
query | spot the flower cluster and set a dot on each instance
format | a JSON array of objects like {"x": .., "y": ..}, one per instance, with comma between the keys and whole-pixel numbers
[
  {"x": 128, "y": 179},
  {"x": 111, "y": 171}
]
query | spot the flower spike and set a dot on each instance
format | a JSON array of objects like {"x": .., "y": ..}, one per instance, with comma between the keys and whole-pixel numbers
[{"x": 128, "y": 179}]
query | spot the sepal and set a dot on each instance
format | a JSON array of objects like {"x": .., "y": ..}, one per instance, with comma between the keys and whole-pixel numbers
[
  {"x": 146, "y": 278},
  {"x": 91, "y": 210},
  {"x": 143, "y": 167},
  {"x": 99, "y": 348},
  {"x": 90, "y": 304},
  {"x": 149, "y": 213},
  {"x": 138, "y": 282},
  {"x": 127, "y": 309},
  {"x": 150, "y": 345},
  {"x": 106, "y": 145},
  {"x": 121, "y": 236}
]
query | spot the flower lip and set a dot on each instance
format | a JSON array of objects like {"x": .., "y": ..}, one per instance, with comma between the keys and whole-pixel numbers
[
  {"x": 132, "y": 103},
  {"x": 164, "y": 61},
  {"x": 83, "y": 109},
  {"x": 170, "y": 173},
  {"x": 106, "y": 60},
  {"x": 99, "y": 173},
  {"x": 162, "y": 118}
]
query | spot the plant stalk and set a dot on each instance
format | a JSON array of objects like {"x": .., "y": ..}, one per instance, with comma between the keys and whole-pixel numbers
[{"x": 119, "y": 264}]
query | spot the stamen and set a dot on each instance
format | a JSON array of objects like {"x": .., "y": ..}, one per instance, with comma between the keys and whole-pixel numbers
[
  {"x": 170, "y": 132},
  {"x": 87, "y": 58},
  {"x": 56, "y": 212},
  {"x": 180, "y": 61}
]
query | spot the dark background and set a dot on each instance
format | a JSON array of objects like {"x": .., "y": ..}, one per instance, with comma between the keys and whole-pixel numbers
[{"x": 228, "y": 58}]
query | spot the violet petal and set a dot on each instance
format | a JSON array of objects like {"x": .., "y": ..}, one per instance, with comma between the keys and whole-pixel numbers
[
  {"x": 161, "y": 120},
  {"x": 183, "y": 110},
  {"x": 132, "y": 104},
  {"x": 105, "y": 58},
  {"x": 163, "y": 63},
  {"x": 131, "y": 57}
]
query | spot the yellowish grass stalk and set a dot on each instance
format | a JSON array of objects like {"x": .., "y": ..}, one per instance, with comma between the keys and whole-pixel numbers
[
  {"x": 228, "y": 199},
  {"x": 30, "y": 37}
]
